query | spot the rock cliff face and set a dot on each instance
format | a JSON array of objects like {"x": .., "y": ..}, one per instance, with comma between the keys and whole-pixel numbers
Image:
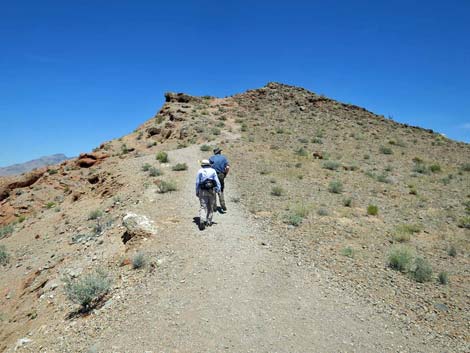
[{"x": 21, "y": 168}]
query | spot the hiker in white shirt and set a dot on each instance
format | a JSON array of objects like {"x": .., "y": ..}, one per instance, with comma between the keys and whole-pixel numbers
[{"x": 207, "y": 185}]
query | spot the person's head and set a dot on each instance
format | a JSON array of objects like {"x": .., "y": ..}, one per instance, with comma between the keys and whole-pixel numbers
[
  {"x": 217, "y": 150},
  {"x": 205, "y": 163}
]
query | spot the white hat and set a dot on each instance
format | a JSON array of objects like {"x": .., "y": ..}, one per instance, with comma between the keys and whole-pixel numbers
[{"x": 205, "y": 162}]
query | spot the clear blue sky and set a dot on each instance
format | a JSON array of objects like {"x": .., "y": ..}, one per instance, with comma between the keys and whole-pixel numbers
[{"x": 76, "y": 73}]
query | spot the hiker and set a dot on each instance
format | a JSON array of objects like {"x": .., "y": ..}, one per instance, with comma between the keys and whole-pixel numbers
[
  {"x": 220, "y": 163},
  {"x": 207, "y": 184}
]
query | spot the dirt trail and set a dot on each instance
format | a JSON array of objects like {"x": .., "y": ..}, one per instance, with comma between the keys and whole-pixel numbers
[{"x": 233, "y": 288}]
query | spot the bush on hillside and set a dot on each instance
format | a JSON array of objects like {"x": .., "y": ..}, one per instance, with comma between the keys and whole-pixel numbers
[
  {"x": 335, "y": 187},
  {"x": 6, "y": 230},
  {"x": 372, "y": 210},
  {"x": 166, "y": 186},
  {"x": 162, "y": 157},
  {"x": 331, "y": 165},
  {"x": 400, "y": 258},
  {"x": 180, "y": 167},
  {"x": 89, "y": 289},
  {"x": 4, "y": 257},
  {"x": 421, "y": 270}
]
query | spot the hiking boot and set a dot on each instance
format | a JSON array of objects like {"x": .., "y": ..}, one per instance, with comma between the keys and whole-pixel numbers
[{"x": 202, "y": 225}]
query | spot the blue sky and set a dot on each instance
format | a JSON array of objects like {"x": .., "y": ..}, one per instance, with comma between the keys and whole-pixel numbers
[{"x": 76, "y": 73}]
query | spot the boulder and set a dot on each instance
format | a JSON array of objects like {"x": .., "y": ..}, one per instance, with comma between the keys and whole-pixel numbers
[
  {"x": 137, "y": 227},
  {"x": 153, "y": 131},
  {"x": 86, "y": 160}
]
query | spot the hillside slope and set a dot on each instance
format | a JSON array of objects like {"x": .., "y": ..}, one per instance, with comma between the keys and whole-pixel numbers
[{"x": 305, "y": 218}]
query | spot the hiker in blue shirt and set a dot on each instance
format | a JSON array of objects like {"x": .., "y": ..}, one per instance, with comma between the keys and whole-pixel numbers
[
  {"x": 207, "y": 184},
  {"x": 220, "y": 163}
]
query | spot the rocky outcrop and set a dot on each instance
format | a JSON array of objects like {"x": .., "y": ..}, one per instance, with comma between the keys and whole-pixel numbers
[
  {"x": 22, "y": 181},
  {"x": 87, "y": 160}
]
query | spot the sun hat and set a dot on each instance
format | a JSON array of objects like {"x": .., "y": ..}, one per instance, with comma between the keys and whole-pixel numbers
[
  {"x": 205, "y": 162},
  {"x": 217, "y": 150}
]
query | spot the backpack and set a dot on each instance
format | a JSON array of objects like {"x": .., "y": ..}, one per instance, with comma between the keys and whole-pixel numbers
[{"x": 208, "y": 184}]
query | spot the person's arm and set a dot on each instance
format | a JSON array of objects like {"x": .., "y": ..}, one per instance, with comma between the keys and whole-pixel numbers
[
  {"x": 217, "y": 181},
  {"x": 198, "y": 177}
]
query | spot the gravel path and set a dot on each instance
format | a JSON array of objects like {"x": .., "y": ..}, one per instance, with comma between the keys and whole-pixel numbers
[{"x": 234, "y": 288}]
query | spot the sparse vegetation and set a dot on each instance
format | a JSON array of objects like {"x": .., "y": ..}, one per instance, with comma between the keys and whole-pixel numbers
[
  {"x": 322, "y": 211},
  {"x": 155, "y": 172},
  {"x": 205, "y": 148},
  {"x": 420, "y": 168},
  {"x": 139, "y": 260},
  {"x": 465, "y": 167},
  {"x": 335, "y": 187},
  {"x": 443, "y": 278},
  {"x": 331, "y": 165},
  {"x": 6, "y": 230},
  {"x": 421, "y": 270},
  {"x": 347, "y": 202},
  {"x": 166, "y": 186},
  {"x": 146, "y": 167},
  {"x": 400, "y": 258},
  {"x": 88, "y": 290},
  {"x": 4, "y": 257},
  {"x": 301, "y": 152},
  {"x": 95, "y": 214},
  {"x": 464, "y": 222},
  {"x": 162, "y": 157},
  {"x": 452, "y": 251},
  {"x": 180, "y": 167},
  {"x": 386, "y": 150},
  {"x": 50, "y": 204},
  {"x": 372, "y": 210},
  {"x": 348, "y": 252},
  {"x": 277, "y": 191},
  {"x": 435, "y": 168}
]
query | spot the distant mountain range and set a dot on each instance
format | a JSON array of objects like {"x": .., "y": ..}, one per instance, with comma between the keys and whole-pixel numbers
[{"x": 30, "y": 165}]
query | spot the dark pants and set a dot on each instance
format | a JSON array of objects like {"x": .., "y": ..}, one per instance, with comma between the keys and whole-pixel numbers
[{"x": 221, "y": 177}]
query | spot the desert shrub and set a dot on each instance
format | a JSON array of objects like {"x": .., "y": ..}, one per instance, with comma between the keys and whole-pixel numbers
[
  {"x": 6, "y": 230},
  {"x": 279, "y": 130},
  {"x": 443, "y": 278},
  {"x": 452, "y": 251},
  {"x": 52, "y": 171},
  {"x": 409, "y": 228},
  {"x": 21, "y": 219},
  {"x": 466, "y": 204},
  {"x": 146, "y": 167},
  {"x": 139, "y": 260},
  {"x": 180, "y": 167},
  {"x": 154, "y": 172},
  {"x": 372, "y": 210},
  {"x": 298, "y": 165},
  {"x": 401, "y": 237},
  {"x": 347, "y": 202},
  {"x": 383, "y": 178},
  {"x": 421, "y": 270},
  {"x": 464, "y": 222},
  {"x": 301, "y": 152},
  {"x": 465, "y": 167},
  {"x": 162, "y": 157},
  {"x": 322, "y": 212},
  {"x": 413, "y": 190},
  {"x": 348, "y": 252},
  {"x": 95, "y": 214},
  {"x": 331, "y": 165},
  {"x": 435, "y": 168},
  {"x": 366, "y": 156},
  {"x": 335, "y": 187},
  {"x": 88, "y": 289},
  {"x": 166, "y": 186},
  {"x": 205, "y": 148},
  {"x": 303, "y": 140},
  {"x": 386, "y": 150},
  {"x": 4, "y": 257},
  {"x": 277, "y": 191},
  {"x": 420, "y": 168},
  {"x": 400, "y": 258},
  {"x": 293, "y": 219},
  {"x": 50, "y": 204},
  {"x": 317, "y": 140},
  {"x": 215, "y": 131}
]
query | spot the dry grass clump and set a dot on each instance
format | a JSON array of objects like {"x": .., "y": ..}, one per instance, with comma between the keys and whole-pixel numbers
[
  {"x": 4, "y": 257},
  {"x": 162, "y": 157},
  {"x": 205, "y": 148},
  {"x": 277, "y": 191},
  {"x": 400, "y": 258},
  {"x": 443, "y": 278},
  {"x": 139, "y": 260},
  {"x": 331, "y": 165},
  {"x": 372, "y": 210},
  {"x": 180, "y": 167},
  {"x": 6, "y": 230},
  {"x": 421, "y": 270},
  {"x": 335, "y": 187},
  {"x": 166, "y": 186},
  {"x": 89, "y": 289},
  {"x": 464, "y": 222},
  {"x": 155, "y": 172}
]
